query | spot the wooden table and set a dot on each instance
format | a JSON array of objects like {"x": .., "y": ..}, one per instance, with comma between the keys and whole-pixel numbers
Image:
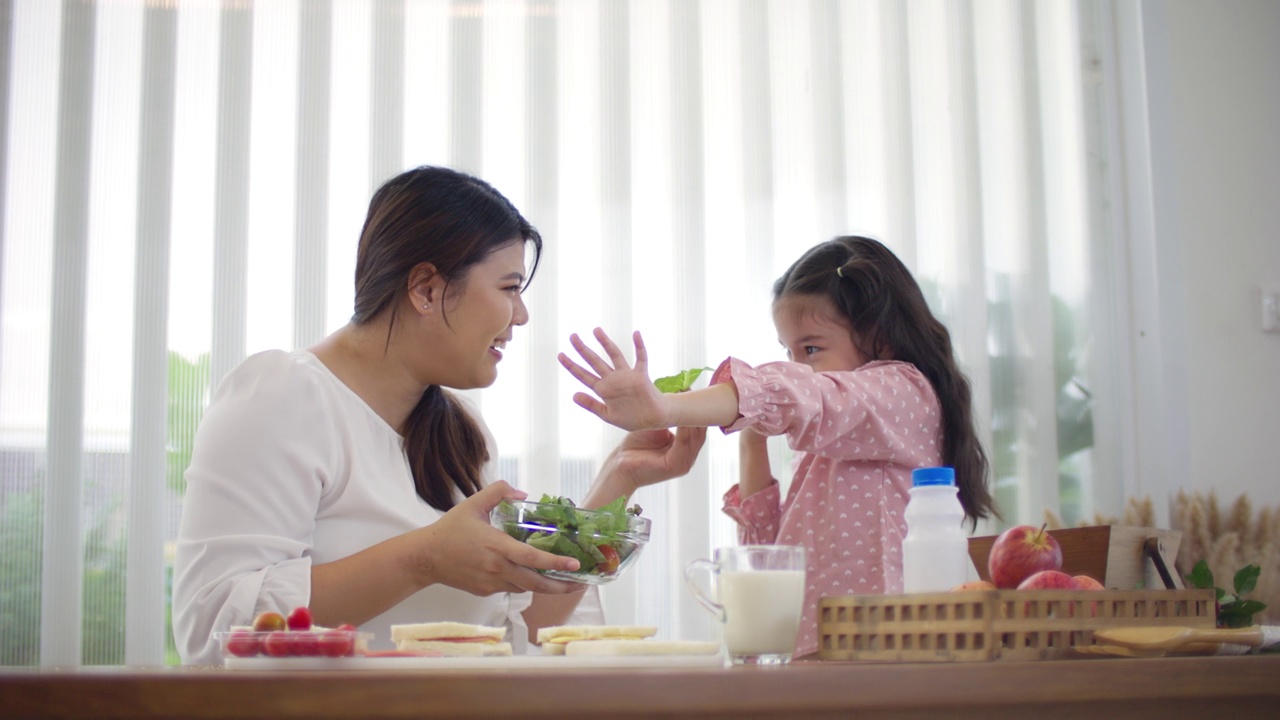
[{"x": 1163, "y": 688}]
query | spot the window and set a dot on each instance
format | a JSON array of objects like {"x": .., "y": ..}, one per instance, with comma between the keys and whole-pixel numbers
[{"x": 184, "y": 183}]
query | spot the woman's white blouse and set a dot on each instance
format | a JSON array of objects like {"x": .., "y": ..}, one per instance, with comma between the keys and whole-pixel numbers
[{"x": 292, "y": 468}]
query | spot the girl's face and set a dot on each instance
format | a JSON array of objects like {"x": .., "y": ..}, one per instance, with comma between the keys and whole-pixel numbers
[
  {"x": 481, "y": 317},
  {"x": 813, "y": 332}
]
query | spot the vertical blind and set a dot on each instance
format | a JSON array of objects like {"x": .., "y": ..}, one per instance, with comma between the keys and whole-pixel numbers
[{"x": 183, "y": 183}]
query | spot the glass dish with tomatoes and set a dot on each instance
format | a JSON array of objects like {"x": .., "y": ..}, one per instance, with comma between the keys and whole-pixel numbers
[
  {"x": 605, "y": 541},
  {"x": 245, "y": 642}
]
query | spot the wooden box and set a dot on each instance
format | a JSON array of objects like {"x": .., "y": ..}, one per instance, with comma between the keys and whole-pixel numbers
[
  {"x": 994, "y": 624},
  {"x": 1118, "y": 556}
]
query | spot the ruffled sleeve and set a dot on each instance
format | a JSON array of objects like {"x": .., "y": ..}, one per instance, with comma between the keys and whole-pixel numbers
[{"x": 757, "y": 514}]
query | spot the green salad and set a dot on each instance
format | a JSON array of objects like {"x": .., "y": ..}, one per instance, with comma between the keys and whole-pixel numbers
[{"x": 599, "y": 539}]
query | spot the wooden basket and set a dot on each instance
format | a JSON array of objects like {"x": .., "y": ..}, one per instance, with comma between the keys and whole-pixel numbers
[
  {"x": 1118, "y": 556},
  {"x": 984, "y": 625}
]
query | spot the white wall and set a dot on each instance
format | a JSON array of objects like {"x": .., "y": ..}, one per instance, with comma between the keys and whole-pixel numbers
[{"x": 1213, "y": 84}]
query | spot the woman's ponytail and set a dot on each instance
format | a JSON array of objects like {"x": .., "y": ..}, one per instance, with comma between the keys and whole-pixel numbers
[{"x": 445, "y": 448}]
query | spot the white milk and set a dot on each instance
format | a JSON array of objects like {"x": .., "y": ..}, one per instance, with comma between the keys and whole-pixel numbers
[{"x": 762, "y": 610}]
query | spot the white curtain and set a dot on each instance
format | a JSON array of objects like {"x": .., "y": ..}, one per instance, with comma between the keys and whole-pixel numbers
[{"x": 184, "y": 182}]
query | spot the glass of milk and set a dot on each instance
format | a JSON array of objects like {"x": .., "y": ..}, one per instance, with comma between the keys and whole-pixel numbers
[{"x": 758, "y": 593}]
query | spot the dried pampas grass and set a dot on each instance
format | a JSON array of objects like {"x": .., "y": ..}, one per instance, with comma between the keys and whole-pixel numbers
[
  {"x": 1137, "y": 512},
  {"x": 1229, "y": 540}
]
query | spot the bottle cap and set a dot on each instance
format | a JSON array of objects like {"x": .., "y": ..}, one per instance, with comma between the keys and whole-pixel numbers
[{"x": 933, "y": 476}]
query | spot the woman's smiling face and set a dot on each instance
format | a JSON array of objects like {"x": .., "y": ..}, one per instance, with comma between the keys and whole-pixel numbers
[
  {"x": 480, "y": 311},
  {"x": 812, "y": 332}
]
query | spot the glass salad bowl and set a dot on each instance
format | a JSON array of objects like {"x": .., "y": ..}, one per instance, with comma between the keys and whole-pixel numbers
[{"x": 605, "y": 541}]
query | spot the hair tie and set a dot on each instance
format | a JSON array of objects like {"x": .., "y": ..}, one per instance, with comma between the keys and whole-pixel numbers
[{"x": 840, "y": 270}]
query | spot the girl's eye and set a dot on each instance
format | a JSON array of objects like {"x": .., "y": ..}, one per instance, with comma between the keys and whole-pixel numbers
[{"x": 810, "y": 349}]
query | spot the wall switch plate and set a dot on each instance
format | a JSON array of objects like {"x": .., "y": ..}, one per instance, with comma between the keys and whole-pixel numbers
[{"x": 1271, "y": 310}]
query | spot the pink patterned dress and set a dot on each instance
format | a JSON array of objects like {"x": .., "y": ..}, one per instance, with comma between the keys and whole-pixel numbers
[{"x": 858, "y": 435}]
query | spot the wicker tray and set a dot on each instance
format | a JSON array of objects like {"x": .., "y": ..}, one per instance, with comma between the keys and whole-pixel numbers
[{"x": 994, "y": 624}]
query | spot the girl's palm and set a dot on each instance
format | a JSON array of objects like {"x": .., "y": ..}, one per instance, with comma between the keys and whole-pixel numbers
[{"x": 627, "y": 398}]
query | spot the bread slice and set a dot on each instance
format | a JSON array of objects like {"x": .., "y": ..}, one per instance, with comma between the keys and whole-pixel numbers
[
  {"x": 641, "y": 647},
  {"x": 456, "y": 649},
  {"x": 447, "y": 631},
  {"x": 568, "y": 633}
]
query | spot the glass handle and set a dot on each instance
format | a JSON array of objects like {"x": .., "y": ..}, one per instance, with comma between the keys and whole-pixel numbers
[{"x": 690, "y": 579}]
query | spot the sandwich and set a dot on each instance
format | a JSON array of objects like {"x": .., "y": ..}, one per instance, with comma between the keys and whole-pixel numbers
[
  {"x": 554, "y": 640},
  {"x": 641, "y": 647},
  {"x": 615, "y": 640},
  {"x": 452, "y": 639}
]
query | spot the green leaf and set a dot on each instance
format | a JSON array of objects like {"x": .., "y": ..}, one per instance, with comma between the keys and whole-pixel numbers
[
  {"x": 1251, "y": 607},
  {"x": 617, "y": 507},
  {"x": 1238, "y": 614},
  {"x": 1247, "y": 579},
  {"x": 679, "y": 382},
  {"x": 1201, "y": 576}
]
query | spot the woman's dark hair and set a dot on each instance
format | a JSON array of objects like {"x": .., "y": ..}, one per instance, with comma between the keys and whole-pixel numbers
[
  {"x": 453, "y": 221},
  {"x": 890, "y": 318}
]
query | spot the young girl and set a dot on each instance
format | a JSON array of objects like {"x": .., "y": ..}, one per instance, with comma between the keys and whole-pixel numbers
[{"x": 870, "y": 391}]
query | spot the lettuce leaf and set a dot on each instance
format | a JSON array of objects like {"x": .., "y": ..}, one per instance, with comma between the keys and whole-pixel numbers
[{"x": 680, "y": 382}]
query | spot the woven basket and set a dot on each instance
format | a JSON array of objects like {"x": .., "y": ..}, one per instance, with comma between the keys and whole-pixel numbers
[{"x": 968, "y": 626}]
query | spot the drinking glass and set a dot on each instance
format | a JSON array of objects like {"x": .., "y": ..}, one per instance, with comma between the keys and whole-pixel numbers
[{"x": 758, "y": 593}]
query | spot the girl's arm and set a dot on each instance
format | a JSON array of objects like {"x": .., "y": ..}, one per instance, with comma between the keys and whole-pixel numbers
[
  {"x": 550, "y": 610},
  {"x": 628, "y": 398},
  {"x": 753, "y": 462}
]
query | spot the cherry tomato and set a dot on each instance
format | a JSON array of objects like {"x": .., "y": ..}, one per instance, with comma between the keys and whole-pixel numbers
[
  {"x": 278, "y": 644},
  {"x": 305, "y": 643},
  {"x": 337, "y": 643},
  {"x": 243, "y": 644},
  {"x": 611, "y": 559},
  {"x": 268, "y": 622},
  {"x": 300, "y": 619}
]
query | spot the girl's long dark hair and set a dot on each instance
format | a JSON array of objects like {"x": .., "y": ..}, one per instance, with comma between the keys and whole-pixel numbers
[
  {"x": 453, "y": 221},
  {"x": 890, "y": 318}
]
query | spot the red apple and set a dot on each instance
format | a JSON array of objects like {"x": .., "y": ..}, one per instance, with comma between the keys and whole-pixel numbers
[
  {"x": 1022, "y": 551},
  {"x": 1049, "y": 580},
  {"x": 1088, "y": 583},
  {"x": 974, "y": 585}
]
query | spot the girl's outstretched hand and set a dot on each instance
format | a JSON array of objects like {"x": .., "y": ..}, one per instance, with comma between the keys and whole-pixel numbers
[{"x": 627, "y": 398}]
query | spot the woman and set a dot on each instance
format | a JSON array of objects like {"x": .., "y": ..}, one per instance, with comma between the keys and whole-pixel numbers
[{"x": 347, "y": 479}]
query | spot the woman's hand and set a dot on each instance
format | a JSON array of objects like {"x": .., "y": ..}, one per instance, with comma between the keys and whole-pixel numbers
[
  {"x": 627, "y": 398},
  {"x": 462, "y": 550},
  {"x": 645, "y": 457}
]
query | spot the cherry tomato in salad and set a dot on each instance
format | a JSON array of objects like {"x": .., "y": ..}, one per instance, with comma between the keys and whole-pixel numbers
[{"x": 611, "y": 559}]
